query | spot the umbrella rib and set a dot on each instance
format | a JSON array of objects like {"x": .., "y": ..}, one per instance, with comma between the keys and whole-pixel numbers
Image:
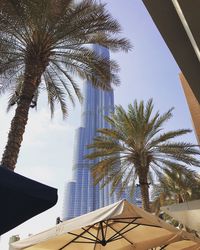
[
  {"x": 87, "y": 231},
  {"x": 127, "y": 218},
  {"x": 106, "y": 229},
  {"x": 113, "y": 238},
  {"x": 123, "y": 222},
  {"x": 84, "y": 237},
  {"x": 119, "y": 233},
  {"x": 163, "y": 247},
  {"x": 90, "y": 233},
  {"x": 78, "y": 236},
  {"x": 96, "y": 238},
  {"x": 85, "y": 242},
  {"x": 118, "y": 237},
  {"x": 102, "y": 232},
  {"x": 136, "y": 223},
  {"x": 146, "y": 225}
]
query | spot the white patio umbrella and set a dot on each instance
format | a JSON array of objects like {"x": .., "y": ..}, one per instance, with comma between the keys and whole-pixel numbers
[
  {"x": 187, "y": 213},
  {"x": 120, "y": 226}
]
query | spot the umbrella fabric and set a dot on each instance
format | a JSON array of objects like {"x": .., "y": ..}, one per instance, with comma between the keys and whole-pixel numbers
[
  {"x": 120, "y": 226},
  {"x": 21, "y": 199},
  {"x": 188, "y": 213},
  {"x": 183, "y": 245}
]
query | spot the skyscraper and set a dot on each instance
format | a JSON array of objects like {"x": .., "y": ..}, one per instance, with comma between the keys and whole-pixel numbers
[{"x": 81, "y": 195}]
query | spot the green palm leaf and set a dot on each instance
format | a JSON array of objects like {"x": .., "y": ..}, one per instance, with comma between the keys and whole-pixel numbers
[
  {"x": 48, "y": 42},
  {"x": 137, "y": 147}
]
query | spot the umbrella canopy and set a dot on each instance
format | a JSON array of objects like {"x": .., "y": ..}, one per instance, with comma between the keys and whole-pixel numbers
[
  {"x": 118, "y": 226},
  {"x": 183, "y": 245},
  {"x": 21, "y": 199},
  {"x": 187, "y": 213}
]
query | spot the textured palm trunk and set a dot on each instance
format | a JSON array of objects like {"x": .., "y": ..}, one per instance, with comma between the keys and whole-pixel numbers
[
  {"x": 19, "y": 121},
  {"x": 180, "y": 198},
  {"x": 144, "y": 187}
]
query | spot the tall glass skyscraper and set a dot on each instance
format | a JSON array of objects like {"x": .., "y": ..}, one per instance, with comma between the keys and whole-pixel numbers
[{"x": 81, "y": 195}]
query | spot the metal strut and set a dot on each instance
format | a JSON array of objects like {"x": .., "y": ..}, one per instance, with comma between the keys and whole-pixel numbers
[
  {"x": 103, "y": 241},
  {"x": 88, "y": 237}
]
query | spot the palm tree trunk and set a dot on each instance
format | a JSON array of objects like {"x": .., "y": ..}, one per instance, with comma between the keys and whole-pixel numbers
[
  {"x": 180, "y": 198},
  {"x": 19, "y": 121},
  {"x": 144, "y": 187}
]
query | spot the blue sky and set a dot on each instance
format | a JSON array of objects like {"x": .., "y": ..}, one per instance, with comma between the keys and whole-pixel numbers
[{"x": 148, "y": 71}]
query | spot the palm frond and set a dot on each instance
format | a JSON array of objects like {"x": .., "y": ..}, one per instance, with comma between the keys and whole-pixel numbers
[
  {"x": 135, "y": 139},
  {"x": 164, "y": 137},
  {"x": 59, "y": 33},
  {"x": 57, "y": 94}
]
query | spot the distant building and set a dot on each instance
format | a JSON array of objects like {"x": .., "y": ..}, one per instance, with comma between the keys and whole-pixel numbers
[
  {"x": 81, "y": 195},
  {"x": 136, "y": 197}
]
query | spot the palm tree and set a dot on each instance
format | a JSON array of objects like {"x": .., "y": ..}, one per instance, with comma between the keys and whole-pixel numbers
[
  {"x": 45, "y": 44},
  {"x": 137, "y": 143},
  {"x": 177, "y": 186}
]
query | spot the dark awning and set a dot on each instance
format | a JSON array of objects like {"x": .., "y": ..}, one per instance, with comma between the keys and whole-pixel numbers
[
  {"x": 178, "y": 23},
  {"x": 21, "y": 199}
]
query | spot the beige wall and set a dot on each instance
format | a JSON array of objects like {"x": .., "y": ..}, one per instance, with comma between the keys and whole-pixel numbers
[{"x": 193, "y": 105}]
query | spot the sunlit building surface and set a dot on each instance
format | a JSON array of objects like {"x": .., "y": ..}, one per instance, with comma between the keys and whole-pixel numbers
[
  {"x": 193, "y": 105},
  {"x": 81, "y": 195}
]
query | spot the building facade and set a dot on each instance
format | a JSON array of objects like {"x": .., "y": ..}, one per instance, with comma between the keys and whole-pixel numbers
[
  {"x": 81, "y": 195},
  {"x": 193, "y": 105}
]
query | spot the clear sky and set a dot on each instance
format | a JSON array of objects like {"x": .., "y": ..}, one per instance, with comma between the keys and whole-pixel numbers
[{"x": 148, "y": 71}]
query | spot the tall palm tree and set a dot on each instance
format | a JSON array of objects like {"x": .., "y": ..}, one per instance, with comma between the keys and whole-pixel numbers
[
  {"x": 45, "y": 44},
  {"x": 137, "y": 143},
  {"x": 176, "y": 186}
]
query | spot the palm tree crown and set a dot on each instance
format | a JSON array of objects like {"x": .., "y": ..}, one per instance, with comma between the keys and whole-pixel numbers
[
  {"x": 44, "y": 44},
  {"x": 175, "y": 186},
  {"x": 137, "y": 143}
]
